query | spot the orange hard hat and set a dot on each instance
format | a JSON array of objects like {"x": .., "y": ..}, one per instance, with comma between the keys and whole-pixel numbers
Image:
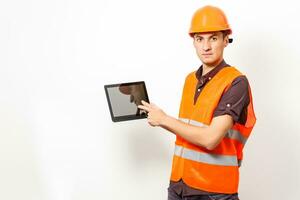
[{"x": 209, "y": 19}]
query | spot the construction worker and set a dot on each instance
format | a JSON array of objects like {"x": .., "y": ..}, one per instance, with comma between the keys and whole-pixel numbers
[{"x": 216, "y": 117}]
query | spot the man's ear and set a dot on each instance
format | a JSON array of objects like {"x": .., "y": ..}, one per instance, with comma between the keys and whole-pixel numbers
[{"x": 226, "y": 40}]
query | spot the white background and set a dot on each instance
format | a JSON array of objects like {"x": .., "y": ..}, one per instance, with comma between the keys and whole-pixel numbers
[{"x": 57, "y": 141}]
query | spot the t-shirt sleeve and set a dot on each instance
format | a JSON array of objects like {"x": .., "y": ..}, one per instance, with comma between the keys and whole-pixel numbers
[{"x": 235, "y": 100}]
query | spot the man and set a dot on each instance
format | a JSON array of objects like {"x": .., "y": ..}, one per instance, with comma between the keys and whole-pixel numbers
[{"x": 215, "y": 119}]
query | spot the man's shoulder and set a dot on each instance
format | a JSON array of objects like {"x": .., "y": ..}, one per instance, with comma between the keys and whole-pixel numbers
[
  {"x": 241, "y": 77},
  {"x": 231, "y": 69},
  {"x": 190, "y": 75},
  {"x": 233, "y": 72}
]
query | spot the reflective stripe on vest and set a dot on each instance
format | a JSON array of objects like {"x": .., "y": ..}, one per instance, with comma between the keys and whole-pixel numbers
[
  {"x": 205, "y": 157},
  {"x": 236, "y": 135},
  {"x": 232, "y": 134}
]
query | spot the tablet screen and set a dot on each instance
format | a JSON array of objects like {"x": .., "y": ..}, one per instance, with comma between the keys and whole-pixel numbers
[{"x": 123, "y": 99}]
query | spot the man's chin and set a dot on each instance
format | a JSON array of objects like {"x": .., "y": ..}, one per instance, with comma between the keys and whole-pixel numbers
[{"x": 208, "y": 63}]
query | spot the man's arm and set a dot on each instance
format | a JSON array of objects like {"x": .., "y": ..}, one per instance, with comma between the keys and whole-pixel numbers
[{"x": 208, "y": 137}]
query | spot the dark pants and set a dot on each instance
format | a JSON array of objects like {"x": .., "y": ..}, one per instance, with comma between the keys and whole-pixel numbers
[{"x": 172, "y": 195}]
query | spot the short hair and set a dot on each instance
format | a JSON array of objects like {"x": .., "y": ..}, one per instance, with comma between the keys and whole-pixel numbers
[{"x": 225, "y": 33}]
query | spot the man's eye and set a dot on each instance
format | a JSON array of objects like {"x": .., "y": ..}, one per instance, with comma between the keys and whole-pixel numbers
[
  {"x": 198, "y": 39},
  {"x": 214, "y": 39}
]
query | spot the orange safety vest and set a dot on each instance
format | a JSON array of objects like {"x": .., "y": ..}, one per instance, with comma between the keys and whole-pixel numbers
[{"x": 214, "y": 170}]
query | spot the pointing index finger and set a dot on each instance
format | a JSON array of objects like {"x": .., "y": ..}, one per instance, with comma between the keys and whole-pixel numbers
[
  {"x": 143, "y": 108},
  {"x": 145, "y": 103}
]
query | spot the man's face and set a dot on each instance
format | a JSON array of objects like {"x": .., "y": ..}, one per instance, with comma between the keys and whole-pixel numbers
[{"x": 210, "y": 46}]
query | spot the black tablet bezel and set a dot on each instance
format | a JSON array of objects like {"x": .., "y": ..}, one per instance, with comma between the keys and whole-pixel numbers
[{"x": 125, "y": 117}]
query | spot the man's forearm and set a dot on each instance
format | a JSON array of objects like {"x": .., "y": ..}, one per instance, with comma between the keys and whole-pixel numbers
[
  {"x": 208, "y": 137},
  {"x": 194, "y": 134}
]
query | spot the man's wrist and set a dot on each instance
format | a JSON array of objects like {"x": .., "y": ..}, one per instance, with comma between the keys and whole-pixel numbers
[{"x": 164, "y": 120}]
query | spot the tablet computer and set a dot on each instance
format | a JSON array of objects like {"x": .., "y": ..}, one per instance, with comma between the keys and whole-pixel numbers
[{"x": 123, "y": 99}]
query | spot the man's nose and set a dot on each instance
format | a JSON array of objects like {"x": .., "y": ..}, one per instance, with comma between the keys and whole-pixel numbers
[{"x": 206, "y": 45}]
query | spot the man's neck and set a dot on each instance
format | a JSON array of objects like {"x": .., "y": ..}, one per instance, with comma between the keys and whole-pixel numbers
[{"x": 208, "y": 68}]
